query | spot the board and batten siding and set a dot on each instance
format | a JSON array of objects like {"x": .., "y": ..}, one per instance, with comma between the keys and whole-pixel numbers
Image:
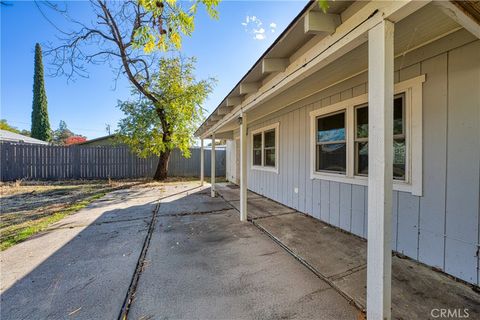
[{"x": 440, "y": 228}]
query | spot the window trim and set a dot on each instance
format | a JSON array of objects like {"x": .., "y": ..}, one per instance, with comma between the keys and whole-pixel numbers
[
  {"x": 262, "y": 130},
  {"x": 413, "y": 183}
]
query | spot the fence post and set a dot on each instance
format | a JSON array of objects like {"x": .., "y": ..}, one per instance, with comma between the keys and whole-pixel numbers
[{"x": 76, "y": 162}]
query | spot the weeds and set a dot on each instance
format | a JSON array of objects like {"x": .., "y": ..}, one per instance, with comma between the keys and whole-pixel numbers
[{"x": 23, "y": 232}]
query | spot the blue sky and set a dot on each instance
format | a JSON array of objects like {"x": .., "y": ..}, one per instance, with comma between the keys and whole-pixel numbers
[{"x": 225, "y": 49}]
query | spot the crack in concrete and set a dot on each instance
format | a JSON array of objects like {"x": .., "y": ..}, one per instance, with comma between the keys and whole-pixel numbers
[
  {"x": 349, "y": 298},
  {"x": 181, "y": 214},
  {"x": 348, "y": 272},
  {"x": 141, "y": 262},
  {"x": 315, "y": 271},
  {"x": 139, "y": 267},
  {"x": 95, "y": 224},
  {"x": 271, "y": 216}
]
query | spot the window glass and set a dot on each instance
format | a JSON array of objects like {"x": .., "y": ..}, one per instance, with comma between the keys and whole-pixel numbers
[
  {"x": 361, "y": 139},
  {"x": 257, "y": 141},
  {"x": 398, "y": 115},
  {"x": 362, "y": 157},
  {"x": 257, "y": 157},
  {"x": 331, "y": 151},
  {"x": 331, "y": 157},
  {"x": 399, "y": 153},
  {"x": 270, "y": 138},
  {"x": 362, "y": 122},
  {"x": 257, "y": 149},
  {"x": 270, "y": 157},
  {"x": 331, "y": 128},
  {"x": 269, "y": 148}
]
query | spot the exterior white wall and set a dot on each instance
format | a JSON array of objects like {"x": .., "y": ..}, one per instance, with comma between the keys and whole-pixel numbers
[
  {"x": 230, "y": 166},
  {"x": 440, "y": 228}
]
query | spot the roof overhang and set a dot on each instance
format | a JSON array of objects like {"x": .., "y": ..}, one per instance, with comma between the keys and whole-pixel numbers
[{"x": 336, "y": 56}]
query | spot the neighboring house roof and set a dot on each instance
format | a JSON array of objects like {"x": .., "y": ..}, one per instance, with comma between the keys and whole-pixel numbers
[
  {"x": 9, "y": 136},
  {"x": 110, "y": 136}
]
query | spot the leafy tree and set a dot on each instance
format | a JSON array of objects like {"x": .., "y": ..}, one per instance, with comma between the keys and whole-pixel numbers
[
  {"x": 157, "y": 128},
  {"x": 74, "y": 140},
  {"x": 132, "y": 33},
  {"x": 26, "y": 133},
  {"x": 5, "y": 126},
  {"x": 40, "y": 124},
  {"x": 323, "y": 4},
  {"x": 132, "y": 36},
  {"x": 62, "y": 134}
]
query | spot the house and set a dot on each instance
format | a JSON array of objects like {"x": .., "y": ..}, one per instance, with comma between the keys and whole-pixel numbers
[
  {"x": 108, "y": 140},
  {"x": 368, "y": 117},
  {"x": 8, "y": 136}
]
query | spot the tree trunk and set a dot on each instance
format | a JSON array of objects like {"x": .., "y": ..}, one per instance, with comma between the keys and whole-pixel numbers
[{"x": 162, "y": 167}]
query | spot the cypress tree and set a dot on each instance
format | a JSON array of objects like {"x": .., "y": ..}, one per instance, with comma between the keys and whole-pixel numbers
[{"x": 40, "y": 124}]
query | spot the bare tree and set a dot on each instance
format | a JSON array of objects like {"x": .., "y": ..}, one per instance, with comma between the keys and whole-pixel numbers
[{"x": 130, "y": 36}]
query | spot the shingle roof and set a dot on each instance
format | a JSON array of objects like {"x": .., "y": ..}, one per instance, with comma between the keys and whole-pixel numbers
[{"x": 15, "y": 137}]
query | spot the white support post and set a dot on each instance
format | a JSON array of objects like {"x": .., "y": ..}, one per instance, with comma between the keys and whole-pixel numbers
[
  {"x": 380, "y": 171},
  {"x": 243, "y": 168},
  {"x": 202, "y": 162},
  {"x": 212, "y": 172}
]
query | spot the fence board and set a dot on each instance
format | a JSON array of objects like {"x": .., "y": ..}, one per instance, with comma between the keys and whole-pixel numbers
[{"x": 40, "y": 162}]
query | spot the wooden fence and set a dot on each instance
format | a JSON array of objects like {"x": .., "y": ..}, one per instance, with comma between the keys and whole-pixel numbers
[{"x": 44, "y": 162}]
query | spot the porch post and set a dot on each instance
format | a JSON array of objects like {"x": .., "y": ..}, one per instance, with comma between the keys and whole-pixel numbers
[
  {"x": 380, "y": 171},
  {"x": 202, "y": 162},
  {"x": 212, "y": 171},
  {"x": 243, "y": 168}
]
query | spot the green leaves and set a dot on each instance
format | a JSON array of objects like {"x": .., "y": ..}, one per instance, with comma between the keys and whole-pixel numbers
[
  {"x": 323, "y": 4},
  {"x": 168, "y": 22},
  {"x": 152, "y": 128},
  {"x": 40, "y": 123}
]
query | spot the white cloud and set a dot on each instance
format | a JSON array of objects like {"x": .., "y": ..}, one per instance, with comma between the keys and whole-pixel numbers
[
  {"x": 273, "y": 27},
  {"x": 253, "y": 25}
]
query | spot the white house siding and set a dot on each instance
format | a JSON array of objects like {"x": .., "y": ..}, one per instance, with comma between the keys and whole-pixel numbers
[
  {"x": 231, "y": 173},
  {"x": 441, "y": 228}
]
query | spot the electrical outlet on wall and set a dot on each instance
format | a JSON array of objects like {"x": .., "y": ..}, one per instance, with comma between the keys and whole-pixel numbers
[{"x": 295, "y": 190}]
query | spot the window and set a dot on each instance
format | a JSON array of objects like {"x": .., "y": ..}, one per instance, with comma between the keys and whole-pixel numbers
[
  {"x": 399, "y": 145},
  {"x": 269, "y": 148},
  {"x": 265, "y": 148},
  {"x": 339, "y": 143},
  {"x": 331, "y": 144},
  {"x": 257, "y": 149}
]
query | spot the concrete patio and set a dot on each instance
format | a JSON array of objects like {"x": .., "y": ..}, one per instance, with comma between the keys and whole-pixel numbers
[
  {"x": 339, "y": 259},
  {"x": 200, "y": 262}
]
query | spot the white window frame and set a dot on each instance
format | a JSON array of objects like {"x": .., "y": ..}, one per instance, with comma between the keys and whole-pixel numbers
[
  {"x": 276, "y": 127},
  {"x": 413, "y": 183}
]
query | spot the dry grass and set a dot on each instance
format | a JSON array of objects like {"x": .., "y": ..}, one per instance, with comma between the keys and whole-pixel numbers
[{"x": 28, "y": 207}]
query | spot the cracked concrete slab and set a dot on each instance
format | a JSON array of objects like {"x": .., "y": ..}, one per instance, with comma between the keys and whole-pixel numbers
[
  {"x": 312, "y": 240},
  {"x": 341, "y": 258},
  {"x": 231, "y": 192},
  {"x": 215, "y": 267},
  {"x": 263, "y": 207},
  {"x": 79, "y": 265},
  {"x": 195, "y": 201}
]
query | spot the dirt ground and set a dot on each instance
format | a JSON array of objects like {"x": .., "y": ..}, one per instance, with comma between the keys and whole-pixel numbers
[{"x": 26, "y": 207}]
